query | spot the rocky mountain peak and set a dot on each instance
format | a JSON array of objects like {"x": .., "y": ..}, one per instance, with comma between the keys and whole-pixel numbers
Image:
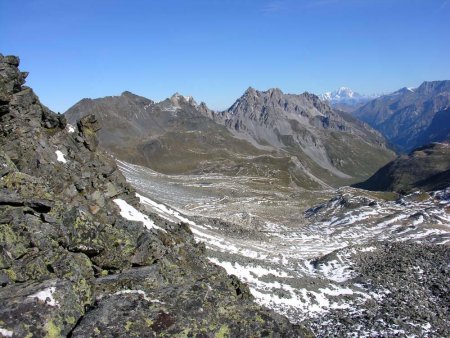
[
  {"x": 275, "y": 91},
  {"x": 310, "y": 96},
  {"x": 250, "y": 91},
  {"x": 177, "y": 99},
  {"x": 12, "y": 79},
  {"x": 428, "y": 87},
  {"x": 303, "y": 122},
  {"x": 129, "y": 94}
]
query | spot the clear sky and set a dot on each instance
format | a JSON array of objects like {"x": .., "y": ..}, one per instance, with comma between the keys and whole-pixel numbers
[{"x": 215, "y": 49}]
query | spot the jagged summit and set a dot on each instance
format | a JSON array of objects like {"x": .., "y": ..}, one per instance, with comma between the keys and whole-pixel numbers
[
  {"x": 177, "y": 99},
  {"x": 302, "y": 122},
  {"x": 127, "y": 93},
  {"x": 272, "y": 96}
]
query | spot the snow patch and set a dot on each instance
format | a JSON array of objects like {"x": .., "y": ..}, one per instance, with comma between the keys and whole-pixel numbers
[
  {"x": 6, "y": 333},
  {"x": 60, "y": 156},
  {"x": 139, "y": 292},
  {"x": 132, "y": 214},
  {"x": 70, "y": 128},
  {"x": 336, "y": 271},
  {"x": 163, "y": 210},
  {"x": 46, "y": 296}
]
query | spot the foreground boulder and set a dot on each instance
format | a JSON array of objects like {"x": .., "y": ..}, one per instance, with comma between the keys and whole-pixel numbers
[{"x": 77, "y": 255}]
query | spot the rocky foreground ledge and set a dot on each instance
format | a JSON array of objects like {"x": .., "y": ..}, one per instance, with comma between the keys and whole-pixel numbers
[{"x": 78, "y": 257}]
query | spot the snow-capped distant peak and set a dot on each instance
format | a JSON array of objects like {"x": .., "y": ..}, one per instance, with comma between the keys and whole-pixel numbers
[
  {"x": 179, "y": 96},
  {"x": 344, "y": 94}
]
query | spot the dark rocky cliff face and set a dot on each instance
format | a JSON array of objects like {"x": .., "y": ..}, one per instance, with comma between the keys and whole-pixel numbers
[{"x": 72, "y": 260}]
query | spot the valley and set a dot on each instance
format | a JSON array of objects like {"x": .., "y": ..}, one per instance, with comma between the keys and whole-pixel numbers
[
  {"x": 224, "y": 169},
  {"x": 264, "y": 185},
  {"x": 303, "y": 252}
]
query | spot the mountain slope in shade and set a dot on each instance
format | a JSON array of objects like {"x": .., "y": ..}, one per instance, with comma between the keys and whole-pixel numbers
[
  {"x": 404, "y": 116},
  {"x": 426, "y": 168},
  {"x": 438, "y": 130}
]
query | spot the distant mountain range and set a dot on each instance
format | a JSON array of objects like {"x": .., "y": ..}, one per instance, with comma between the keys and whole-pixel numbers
[
  {"x": 411, "y": 117},
  {"x": 292, "y": 138},
  {"x": 346, "y": 99}
]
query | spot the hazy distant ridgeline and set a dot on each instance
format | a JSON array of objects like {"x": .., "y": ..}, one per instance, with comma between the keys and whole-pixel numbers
[{"x": 411, "y": 117}]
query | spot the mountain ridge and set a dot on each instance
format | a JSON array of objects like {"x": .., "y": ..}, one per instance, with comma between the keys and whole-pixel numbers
[
  {"x": 295, "y": 121},
  {"x": 181, "y": 119},
  {"x": 404, "y": 116}
]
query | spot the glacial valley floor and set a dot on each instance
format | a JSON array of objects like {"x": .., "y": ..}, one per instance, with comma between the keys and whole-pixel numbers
[{"x": 342, "y": 261}]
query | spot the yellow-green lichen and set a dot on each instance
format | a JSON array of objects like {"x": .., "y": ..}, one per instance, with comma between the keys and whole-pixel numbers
[
  {"x": 11, "y": 274},
  {"x": 53, "y": 331},
  {"x": 128, "y": 326},
  {"x": 71, "y": 320},
  {"x": 223, "y": 332},
  {"x": 259, "y": 319}
]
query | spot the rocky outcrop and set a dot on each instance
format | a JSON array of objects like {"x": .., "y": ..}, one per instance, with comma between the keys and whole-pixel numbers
[
  {"x": 77, "y": 255},
  {"x": 426, "y": 168}
]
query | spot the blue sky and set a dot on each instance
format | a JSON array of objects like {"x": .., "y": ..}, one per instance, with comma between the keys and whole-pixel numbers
[{"x": 215, "y": 49}]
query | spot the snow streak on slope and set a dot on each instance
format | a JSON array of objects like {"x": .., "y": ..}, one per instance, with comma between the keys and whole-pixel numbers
[{"x": 305, "y": 269}]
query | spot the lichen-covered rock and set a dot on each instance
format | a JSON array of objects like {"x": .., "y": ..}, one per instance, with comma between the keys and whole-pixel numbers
[{"x": 72, "y": 265}]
